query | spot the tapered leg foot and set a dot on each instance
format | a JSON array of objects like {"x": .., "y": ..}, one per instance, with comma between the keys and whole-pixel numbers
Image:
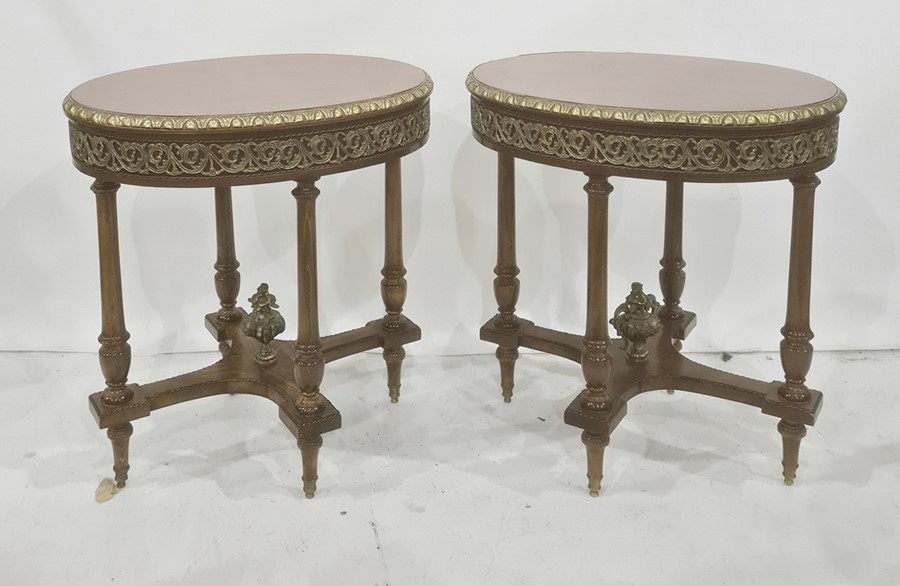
[
  {"x": 119, "y": 437},
  {"x": 309, "y": 452},
  {"x": 595, "y": 445},
  {"x": 507, "y": 358},
  {"x": 791, "y": 434},
  {"x": 393, "y": 357}
]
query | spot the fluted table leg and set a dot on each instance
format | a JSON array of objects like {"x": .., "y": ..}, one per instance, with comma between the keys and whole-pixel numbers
[
  {"x": 227, "y": 279},
  {"x": 393, "y": 282},
  {"x": 672, "y": 275},
  {"x": 596, "y": 360},
  {"x": 796, "y": 349},
  {"x": 309, "y": 360},
  {"x": 506, "y": 283},
  {"x": 115, "y": 353}
]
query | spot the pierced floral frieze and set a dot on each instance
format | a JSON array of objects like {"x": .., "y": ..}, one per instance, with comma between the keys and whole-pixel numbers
[
  {"x": 689, "y": 154},
  {"x": 292, "y": 152}
]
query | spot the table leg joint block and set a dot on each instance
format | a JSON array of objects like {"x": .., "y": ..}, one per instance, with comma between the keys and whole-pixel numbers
[
  {"x": 110, "y": 415},
  {"x": 219, "y": 329},
  {"x": 680, "y": 329},
  {"x": 309, "y": 426},
  {"x": 595, "y": 422}
]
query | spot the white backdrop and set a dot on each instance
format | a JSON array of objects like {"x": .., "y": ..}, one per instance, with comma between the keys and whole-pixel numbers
[{"x": 736, "y": 237}]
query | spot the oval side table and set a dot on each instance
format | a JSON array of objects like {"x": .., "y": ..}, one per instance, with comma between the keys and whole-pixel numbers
[
  {"x": 249, "y": 120},
  {"x": 672, "y": 119}
]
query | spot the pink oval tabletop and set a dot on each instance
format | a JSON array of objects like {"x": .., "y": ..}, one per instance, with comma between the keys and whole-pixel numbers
[
  {"x": 292, "y": 88},
  {"x": 655, "y": 88}
]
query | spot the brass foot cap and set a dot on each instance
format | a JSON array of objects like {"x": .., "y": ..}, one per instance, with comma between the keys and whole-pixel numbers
[
  {"x": 595, "y": 493},
  {"x": 507, "y": 399},
  {"x": 309, "y": 487},
  {"x": 394, "y": 400},
  {"x": 789, "y": 481}
]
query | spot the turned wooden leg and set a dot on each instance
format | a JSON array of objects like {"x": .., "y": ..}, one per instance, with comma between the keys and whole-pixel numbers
[
  {"x": 594, "y": 445},
  {"x": 309, "y": 452},
  {"x": 796, "y": 349},
  {"x": 791, "y": 434},
  {"x": 393, "y": 282},
  {"x": 119, "y": 436},
  {"x": 115, "y": 353},
  {"x": 506, "y": 283},
  {"x": 596, "y": 360},
  {"x": 672, "y": 275},
  {"x": 393, "y": 357},
  {"x": 507, "y": 357},
  {"x": 309, "y": 361},
  {"x": 228, "y": 279}
]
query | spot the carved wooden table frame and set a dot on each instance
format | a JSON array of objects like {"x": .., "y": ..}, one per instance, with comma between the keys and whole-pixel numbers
[
  {"x": 222, "y": 152},
  {"x": 675, "y": 147}
]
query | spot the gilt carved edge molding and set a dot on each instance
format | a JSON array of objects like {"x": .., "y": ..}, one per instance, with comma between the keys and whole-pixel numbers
[
  {"x": 708, "y": 155},
  {"x": 825, "y": 108},
  {"x": 81, "y": 113},
  {"x": 295, "y": 151}
]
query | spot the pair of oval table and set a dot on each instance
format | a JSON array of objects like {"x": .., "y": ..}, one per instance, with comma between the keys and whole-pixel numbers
[{"x": 250, "y": 120}]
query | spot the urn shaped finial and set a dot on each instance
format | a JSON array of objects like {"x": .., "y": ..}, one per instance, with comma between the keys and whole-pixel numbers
[
  {"x": 264, "y": 323},
  {"x": 636, "y": 320}
]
